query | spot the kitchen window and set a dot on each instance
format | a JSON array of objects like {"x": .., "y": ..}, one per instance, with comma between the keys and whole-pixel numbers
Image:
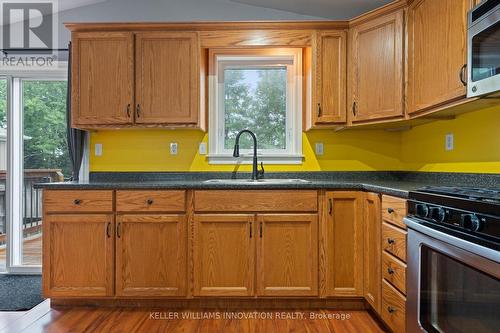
[{"x": 259, "y": 90}]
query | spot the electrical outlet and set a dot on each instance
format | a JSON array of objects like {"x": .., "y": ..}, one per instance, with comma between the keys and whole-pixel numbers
[
  {"x": 98, "y": 149},
  {"x": 319, "y": 148},
  {"x": 202, "y": 150},
  {"x": 173, "y": 148},
  {"x": 449, "y": 142}
]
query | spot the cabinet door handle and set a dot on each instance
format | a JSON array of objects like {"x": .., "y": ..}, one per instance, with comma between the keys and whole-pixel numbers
[
  {"x": 250, "y": 229},
  {"x": 119, "y": 230},
  {"x": 390, "y": 270},
  {"x": 354, "y": 109},
  {"x": 462, "y": 75},
  {"x": 319, "y": 110},
  {"x": 128, "y": 110},
  {"x": 108, "y": 230},
  {"x": 330, "y": 206},
  {"x": 138, "y": 111},
  {"x": 390, "y": 241},
  {"x": 260, "y": 229}
]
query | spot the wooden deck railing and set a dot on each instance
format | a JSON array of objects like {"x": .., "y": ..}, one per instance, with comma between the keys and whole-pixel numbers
[{"x": 32, "y": 199}]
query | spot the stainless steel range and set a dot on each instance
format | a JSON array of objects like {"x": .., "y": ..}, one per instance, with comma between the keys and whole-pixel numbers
[{"x": 453, "y": 260}]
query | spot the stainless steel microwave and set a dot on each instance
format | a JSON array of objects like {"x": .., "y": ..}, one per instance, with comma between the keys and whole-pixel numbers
[{"x": 483, "y": 59}]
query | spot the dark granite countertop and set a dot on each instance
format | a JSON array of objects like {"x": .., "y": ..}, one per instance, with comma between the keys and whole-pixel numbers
[{"x": 391, "y": 183}]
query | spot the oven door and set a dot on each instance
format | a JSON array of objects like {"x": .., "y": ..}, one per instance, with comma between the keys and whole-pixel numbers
[
  {"x": 453, "y": 285},
  {"x": 483, "y": 56}
]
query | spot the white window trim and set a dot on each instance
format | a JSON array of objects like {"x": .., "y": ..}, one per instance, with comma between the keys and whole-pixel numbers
[
  {"x": 15, "y": 78},
  {"x": 293, "y": 58}
]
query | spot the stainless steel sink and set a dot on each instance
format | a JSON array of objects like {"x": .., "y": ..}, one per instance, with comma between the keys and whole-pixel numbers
[{"x": 256, "y": 182}]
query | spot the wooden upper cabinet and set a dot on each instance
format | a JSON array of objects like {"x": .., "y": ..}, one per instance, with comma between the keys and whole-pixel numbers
[
  {"x": 151, "y": 255},
  {"x": 102, "y": 78},
  {"x": 287, "y": 255},
  {"x": 167, "y": 78},
  {"x": 224, "y": 252},
  {"x": 329, "y": 78},
  {"x": 436, "y": 52},
  {"x": 78, "y": 255},
  {"x": 376, "y": 69},
  {"x": 344, "y": 243},
  {"x": 372, "y": 250}
]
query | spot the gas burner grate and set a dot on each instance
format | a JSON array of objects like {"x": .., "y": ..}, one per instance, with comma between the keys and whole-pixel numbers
[{"x": 476, "y": 194}]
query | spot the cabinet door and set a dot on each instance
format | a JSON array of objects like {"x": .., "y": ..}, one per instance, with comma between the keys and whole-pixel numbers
[
  {"x": 372, "y": 250},
  {"x": 436, "y": 52},
  {"x": 167, "y": 76},
  {"x": 102, "y": 78},
  {"x": 287, "y": 255},
  {"x": 344, "y": 243},
  {"x": 78, "y": 255},
  {"x": 329, "y": 105},
  {"x": 224, "y": 252},
  {"x": 376, "y": 75},
  {"x": 151, "y": 255}
]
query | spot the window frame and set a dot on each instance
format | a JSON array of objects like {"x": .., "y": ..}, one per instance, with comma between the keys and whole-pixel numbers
[{"x": 221, "y": 59}]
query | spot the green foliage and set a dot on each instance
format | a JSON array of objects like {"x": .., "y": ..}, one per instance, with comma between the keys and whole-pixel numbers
[
  {"x": 45, "y": 124},
  {"x": 261, "y": 109},
  {"x": 44, "y": 118}
]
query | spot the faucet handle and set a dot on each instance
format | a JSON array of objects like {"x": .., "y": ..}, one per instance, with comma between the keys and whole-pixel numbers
[{"x": 260, "y": 173}]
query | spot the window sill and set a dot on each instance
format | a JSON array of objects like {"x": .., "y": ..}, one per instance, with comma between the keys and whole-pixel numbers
[{"x": 247, "y": 159}]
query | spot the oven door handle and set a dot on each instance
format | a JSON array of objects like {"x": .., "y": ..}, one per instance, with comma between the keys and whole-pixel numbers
[{"x": 414, "y": 224}]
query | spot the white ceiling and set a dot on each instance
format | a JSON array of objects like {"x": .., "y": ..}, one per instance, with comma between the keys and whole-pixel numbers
[{"x": 330, "y": 9}]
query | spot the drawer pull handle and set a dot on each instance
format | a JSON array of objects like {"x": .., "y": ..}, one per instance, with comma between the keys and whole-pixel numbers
[
  {"x": 390, "y": 270},
  {"x": 150, "y": 201},
  {"x": 77, "y": 201},
  {"x": 390, "y": 309},
  {"x": 390, "y": 210},
  {"x": 390, "y": 241}
]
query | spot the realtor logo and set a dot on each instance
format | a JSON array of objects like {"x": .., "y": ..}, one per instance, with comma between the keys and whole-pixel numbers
[{"x": 28, "y": 24}]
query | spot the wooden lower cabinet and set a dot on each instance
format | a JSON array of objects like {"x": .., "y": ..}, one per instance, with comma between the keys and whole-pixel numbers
[
  {"x": 78, "y": 255},
  {"x": 224, "y": 252},
  {"x": 372, "y": 223},
  {"x": 287, "y": 255},
  {"x": 343, "y": 235},
  {"x": 151, "y": 255}
]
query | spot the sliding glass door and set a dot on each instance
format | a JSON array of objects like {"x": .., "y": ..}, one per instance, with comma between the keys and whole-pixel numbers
[
  {"x": 36, "y": 151},
  {"x": 3, "y": 174}
]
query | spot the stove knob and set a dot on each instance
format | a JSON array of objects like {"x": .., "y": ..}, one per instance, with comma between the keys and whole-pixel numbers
[
  {"x": 470, "y": 222},
  {"x": 421, "y": 210},
  {"x": 437, "y": 214}
]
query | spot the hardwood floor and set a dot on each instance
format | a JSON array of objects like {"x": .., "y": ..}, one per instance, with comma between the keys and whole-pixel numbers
[
  {"x": 82, "y": 319},
  {"x": 32, "y": 253}
]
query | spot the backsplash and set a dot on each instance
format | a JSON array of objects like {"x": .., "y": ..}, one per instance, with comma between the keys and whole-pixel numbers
[{"x": 476, "y": 149}]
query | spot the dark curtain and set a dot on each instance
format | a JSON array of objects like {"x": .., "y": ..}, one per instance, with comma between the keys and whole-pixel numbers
[{"x": 76, "y": 137}]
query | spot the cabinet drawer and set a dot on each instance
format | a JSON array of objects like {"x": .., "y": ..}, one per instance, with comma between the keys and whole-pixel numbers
[
  {"x": 393, "y": 308},
  {"x": 394, "y": 210},
  {"x": 256, "y": 201},
  {"x": 394, "y": 241},
  {"x": 394, "y": 271},
  {"x": 78, "y": 201},
  {"x": 150, "y": 201}
]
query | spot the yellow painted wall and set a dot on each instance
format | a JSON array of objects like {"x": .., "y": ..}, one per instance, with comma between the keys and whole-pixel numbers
[
  {"x": 476, "y": 141},
  {"x": 477, "y": 149}
]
